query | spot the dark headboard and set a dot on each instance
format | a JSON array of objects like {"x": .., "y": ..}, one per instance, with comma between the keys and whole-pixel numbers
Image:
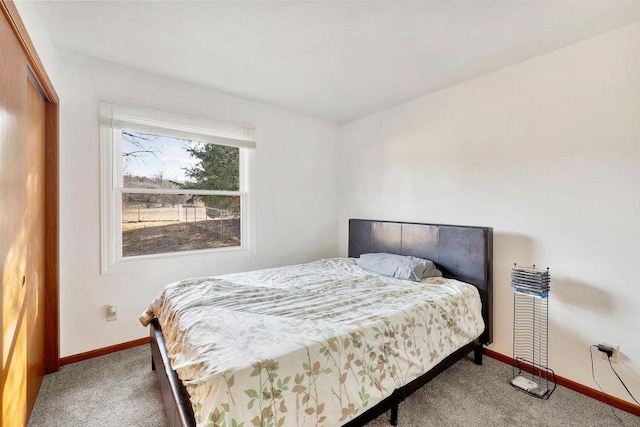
[{"x": 460, "y": 252}]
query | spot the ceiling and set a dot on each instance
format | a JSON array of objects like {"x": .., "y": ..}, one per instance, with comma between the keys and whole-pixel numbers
[{"x": 333, "y": 60}]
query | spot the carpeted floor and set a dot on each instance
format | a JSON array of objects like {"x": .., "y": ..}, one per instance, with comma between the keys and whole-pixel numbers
[{"x": 121, "y": 390}]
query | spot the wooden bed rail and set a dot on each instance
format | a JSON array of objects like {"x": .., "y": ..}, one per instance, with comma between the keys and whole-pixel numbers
[{"x": 174, "y": 394}]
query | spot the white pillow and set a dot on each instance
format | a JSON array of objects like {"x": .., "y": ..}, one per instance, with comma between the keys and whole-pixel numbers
[{"x": 398, "y": 266}]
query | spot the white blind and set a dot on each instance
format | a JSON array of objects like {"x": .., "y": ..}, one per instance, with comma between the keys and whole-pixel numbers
[{"x": 156, "y": 122}]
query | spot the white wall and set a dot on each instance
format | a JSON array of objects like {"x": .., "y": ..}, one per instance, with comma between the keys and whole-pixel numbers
[
  {"x": 295, "y": 189},
  {"x": 547, "y": 152},
  {"x": 39, "y": 36}
]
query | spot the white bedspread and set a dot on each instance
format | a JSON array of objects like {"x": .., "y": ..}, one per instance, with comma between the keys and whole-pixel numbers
[{"x": 307, "y": 345}]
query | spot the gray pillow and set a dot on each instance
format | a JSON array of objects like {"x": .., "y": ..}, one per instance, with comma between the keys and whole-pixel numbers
[{"x": 398, "y": 266}]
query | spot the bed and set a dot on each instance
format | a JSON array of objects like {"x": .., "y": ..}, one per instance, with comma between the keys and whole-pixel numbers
[{"x": 326, "y": 333}]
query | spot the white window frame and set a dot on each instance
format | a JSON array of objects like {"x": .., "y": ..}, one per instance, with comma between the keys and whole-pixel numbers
[{"x": 114, "y": 119}]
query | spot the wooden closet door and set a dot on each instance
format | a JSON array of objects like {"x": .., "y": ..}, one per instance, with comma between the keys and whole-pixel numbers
[
  {"x": 35, "y": 218},
  {"x": 14, "y": 233},
  {"x": 28, "y": 221}
]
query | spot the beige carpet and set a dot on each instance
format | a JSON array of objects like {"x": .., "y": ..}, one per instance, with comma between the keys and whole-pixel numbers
[{"x": 121, "y": 390}]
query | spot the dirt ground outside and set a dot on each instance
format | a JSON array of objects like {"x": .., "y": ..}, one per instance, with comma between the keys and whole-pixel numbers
[{"x": 163, "y": 236}]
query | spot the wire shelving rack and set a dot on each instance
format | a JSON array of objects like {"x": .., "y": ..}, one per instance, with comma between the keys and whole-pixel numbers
[{"x": 531, "y": 373}]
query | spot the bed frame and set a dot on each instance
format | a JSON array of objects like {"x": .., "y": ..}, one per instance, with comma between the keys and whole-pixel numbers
[{"x": 460, "y": 252}]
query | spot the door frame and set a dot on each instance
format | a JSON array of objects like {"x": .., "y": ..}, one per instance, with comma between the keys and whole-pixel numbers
[{"x": 52, "y": 207}]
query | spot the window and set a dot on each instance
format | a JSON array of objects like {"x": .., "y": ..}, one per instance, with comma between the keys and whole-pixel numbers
[{"x": 171, "y": 185}]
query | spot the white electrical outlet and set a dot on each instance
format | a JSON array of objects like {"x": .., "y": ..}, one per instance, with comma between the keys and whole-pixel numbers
[
  {"x": 616, "y": 352},
  {"x": 112, "y": 313}
]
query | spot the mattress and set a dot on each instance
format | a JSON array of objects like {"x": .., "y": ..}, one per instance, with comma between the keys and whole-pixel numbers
[{"x": 313, "y": 344}]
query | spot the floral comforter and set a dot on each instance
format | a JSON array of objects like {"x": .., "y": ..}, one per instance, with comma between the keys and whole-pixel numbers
[{"x": 307, "y": 345}]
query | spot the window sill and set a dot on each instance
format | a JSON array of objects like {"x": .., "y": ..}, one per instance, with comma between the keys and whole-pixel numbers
[{"x": 140, "y": 262}]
